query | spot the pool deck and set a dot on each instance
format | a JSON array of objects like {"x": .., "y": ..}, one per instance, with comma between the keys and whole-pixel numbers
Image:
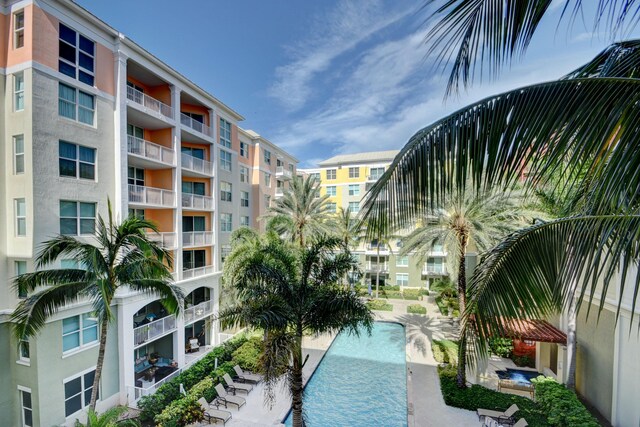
[{"x": 425, "y": 403}]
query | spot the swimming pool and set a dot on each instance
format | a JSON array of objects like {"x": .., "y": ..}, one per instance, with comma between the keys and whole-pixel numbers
[
  {"x": 361, "y": 381},
  {"x": 518, "y": 375}
]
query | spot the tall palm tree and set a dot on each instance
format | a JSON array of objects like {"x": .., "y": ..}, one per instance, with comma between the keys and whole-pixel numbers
[
  {"x": 120, "y": 255},
  {"x": 301, "y": 212},
  {"x": 289, "y": 290},
  {"x": 589, "y": 121},
  {"x": 349, "y": 230},
  {"x": 469, "y": 219}
]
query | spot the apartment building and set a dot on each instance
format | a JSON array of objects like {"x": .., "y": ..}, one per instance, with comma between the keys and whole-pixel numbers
[
  {"x": 346, "y": 179},
  {"x": 88, "y": 115}
]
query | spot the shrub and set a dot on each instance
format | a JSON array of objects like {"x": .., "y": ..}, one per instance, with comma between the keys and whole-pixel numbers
[
  {"x": 416, "y": 309},
  {"x": 412, "y": 294},
  {"x": 524, "y": 361},
  {"x": 424, "y": 291},
  {"x": 377, "y": 304},
  {"x": 501, "y": 347},
  {"x": 185, "y": 410},
  {"x": 444, "y": 303},
  {"x": 392, "y": 294},
  {"x": 247, "y": 354},
  {"x": 561, "y": 405},
  {"x": 445, "y": 351},
  {"x": 476, "y": 396}
]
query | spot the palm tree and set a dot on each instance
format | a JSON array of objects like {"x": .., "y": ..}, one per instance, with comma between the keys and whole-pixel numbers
[
  {"x": 588, "y": 120},
  {"x": 349, "y": 230},
  {"x": 300, "y": 212},
  {"x": 288, "y": 290},
  {"x": 122, "y": 255},
  {"x": 467, "y": 219},
  {"x": 109, "y": 418}
]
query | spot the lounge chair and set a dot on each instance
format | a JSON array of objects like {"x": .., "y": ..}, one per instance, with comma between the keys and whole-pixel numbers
[
  {"x": 245, "y": 376},
  {"x": 211, "y": 413},
  {"x": 490, "y": 422},
  {"x": 225, "y": 397},
  {"x": 236, "y": 386},
  {"x": 505, "y": 417}
]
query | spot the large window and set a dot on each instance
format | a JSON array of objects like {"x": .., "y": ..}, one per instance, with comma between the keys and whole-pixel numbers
[
  {"x": 354, "y": 189},
  {"x": 198, "y": 153},
  {"x": 435, "y": 265},
  {"x": 75, "y": 104},
  {"x": 244, "y": 149},
  {"x": 26, "y": 406},
  {"x": 267, "y": 179},
  {"x": 375, "y": 173},
  {"x": 331, "y": 207},
  {"x": 18, "y": 92},
  {"x": 135, "y": 176},
  {"x": 225, "y": 133},
  {"x": 225, "y": 191},
  {"x": 76, "y": 55},
  {"x": 244, "y": 221},
  {"x": 78, "y": 332},
  {"x": 226, "y": 222},
  {"x": 402, "y": 261},
  {"x": 77, "y": 218},
  {"x": 77, "y": 161},
  {"x": 267, "y": 201},
  {"x": 20, "y": 267},
  {"x": 267, "y": 157},
  {"x": 224, "y": 253},
  {"x": 225, "y": 160},
  {"x": 331, "y": 174},
  {"x": 331, "y": 190},
  {"x": 21, "y": 217},
  {"x": 244, "y": 174},
  {"x": 402, "y": 279},
  {"x": 24, "y": 353},
  {"x": 193, "y": 223},
  {"x": 354, "y": 172},
  {"x": 18, "y": 29},
  {"x": 244, "y": 199},
  {"x": 77, "y": 392},
  {"x": 18, "y": 154},
  {"x": 190, "y": 187},
  {"x": 194, "y": 259},
  {"x": 315, "y": 176},
  {"x": 354, "y": 207}
]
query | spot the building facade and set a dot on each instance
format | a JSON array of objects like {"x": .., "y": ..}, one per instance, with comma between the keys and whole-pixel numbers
[{"x": 89, "y": 115}]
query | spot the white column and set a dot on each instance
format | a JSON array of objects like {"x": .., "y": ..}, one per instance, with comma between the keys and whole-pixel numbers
[
  {"x": 538, "y": 364},
  {"x": 179, "y": 342},
  {"x": 125, "y": 350},
  {"x": 177, "y": 181},
  {"x": 120, "y": 200},
  {"x": 562, "y": 363}
]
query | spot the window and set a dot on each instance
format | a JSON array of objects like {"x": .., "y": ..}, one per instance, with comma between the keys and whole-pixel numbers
[
  {"x": 21, "y": 217},
  {"x": 331, "y": 190},
  {"x": 331, "y": 174},
  {"x": 77, "y": 218},
  {"x": 135, "y": 176},
  {"x": 79, "y": 331},
  {"x": 267, "y": 179},
  {"x": 196, "y": 188},
  {"x": 315, "y": 175},
  {"x": 354, "y": 189},
  {"x": 244, "y": 199},
  {"x": 244, "y": 221},
  {"x": 197, "y": 153},
  {"x": 267, "y": 157},
  {"x": 18, "y": 29},
  {"x": 225, "y": 160},
  {"x": 244, "y": 174},
  {"x": 225, "y": 133},
  {"x": 354, "y": 207},
  {"x": 77, "y": 392},
  {"x": 77, "y": 161},
  {"x": 27, "y": 407},
  {"x": 194, "y": 259},
  {"x": 18, "y": 154},
  {"x": 76, "y": 55},
  {"x": 20, "y": 267},
  {"x": 402, "y": 279},
  {"x": 244, "y": 149},
  {"x": 224, "y": 253},
  {"x": 291, "y": 167},
  {"x": 435, "y": 265},
  {"x": 24, "y": 354},
  {"x": 331, "y": 207},
  {"x": 402, "y": 261},
  {"x": 354, "y": 172},
  {"x": 69, "y": 264},
  {"x": 267, "y": 201},
  {"x": 136, "y": 213},
  {"x": 225, "y": 191},
  {"x": 226, "y": 224},
  {"x": 193, "y": 223},
  {"x": 75, "y": 104},
  {"x": 375, "y": 173},
  {"x": 18, "y": 92}
]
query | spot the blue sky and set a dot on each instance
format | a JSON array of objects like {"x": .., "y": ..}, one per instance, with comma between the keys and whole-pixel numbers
[{"x": 321, "y": 78}]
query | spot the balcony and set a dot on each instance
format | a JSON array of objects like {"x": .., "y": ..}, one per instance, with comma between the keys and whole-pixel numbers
[
  {"x": 197, "y": 202},
  {"x": 149, "y": 332},
  {"x": 197, "y": 272},
  {"x": 434, "y": 270},
  {"x": 195, "y": 125},
  {"x": 149, "y": 151},
  {"x": 375, "y": 249},
  {"x": 192, "y": 239},
  {"x": 151, "y": 197},
  {"x": 149, "y": 104},
  {"x": 197, "y": 166},
  {"x": 281, "y": 172},
  {"x": 197, "y": 312},
  {"x": 377, "y": 268},
  {"x": 165, "y": 240},
  {"x": 373, "y": 177}
]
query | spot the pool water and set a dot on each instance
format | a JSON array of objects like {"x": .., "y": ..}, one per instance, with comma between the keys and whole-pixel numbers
[
  {"x": 361, "y": 381},
  {"x": 518, "y": 375}
]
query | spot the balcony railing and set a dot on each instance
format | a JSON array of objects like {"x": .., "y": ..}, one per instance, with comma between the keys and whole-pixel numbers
[
  {"x": 198, "y": 311},
  {"x": 166, "y": 240},
  {"x": 197, "y": 238},
  {"x": 197, "y": 272},
  {"x": 197, "y": 165},
  {"x": 433, "y": 270},
  {"x": 195, "y": 125},
  {"x": 149, "y": 102},
  {"x": 149, "y": 150},
  {"x": 281, "y": 172},
  {"x": 153, "y": 330},
  {"x": 373, "y": 177},
  {"x": 377, "y": 268},
  {"x": 195, "y": 201},
  {"x": 151, "y": 196}
]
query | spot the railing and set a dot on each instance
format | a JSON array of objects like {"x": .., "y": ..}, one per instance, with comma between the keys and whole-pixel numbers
[
  {"x": 282, "y": 172},
  {"x": 381, "y": 247},
  {"x": 197, "y": 238},
  {"x": 198, "y": 311},
  {"x": 195, "y": 125},
  {"x": 135, "y": 393},
  {"x": 433, "y": 271},
  {"x": 149, "y": 150},
  {"x": 151, "y": 196},
  {"x": 197, "y": 165},
  {"x": 149, "y": 102},
  {"x": 373, "y": 177},
  {"x": 152, "y": 330},
  {"x": 197, "y": 272},
  {"x": 377, "y": 267},
  {"x": 195, "y": 201},
  {"x": 166, "y": 240}
]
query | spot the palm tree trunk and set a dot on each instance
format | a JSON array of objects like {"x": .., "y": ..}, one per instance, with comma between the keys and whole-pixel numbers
[
  {"x": 378, "y": 267},
  {"x": 296, "y": 383},
  {"x": 96, "y": 379},
  {"x": 572, "y": 344},
  {"x": 461, "y": 378}
]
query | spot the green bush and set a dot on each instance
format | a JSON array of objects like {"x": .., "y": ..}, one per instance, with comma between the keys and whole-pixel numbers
[
  {"x": 445, "y": 351},
  {"x": 185, "y": 410},
  {"x": 444, "y": 303},
  {"x": 501, "y": 347},
  {"x": 377, "y": 304},
  {"x": 412, "y": 294},
  {"x": 424, "y": 291},
  {"x": 416, "y": 309},
  {"x": 247, "y": 354},
  {"x": 476, "y": 396},
  {"x": 393, "y": 294},
  {"x": 524, "y": 361},
  {"x": 561, "y": 405}
]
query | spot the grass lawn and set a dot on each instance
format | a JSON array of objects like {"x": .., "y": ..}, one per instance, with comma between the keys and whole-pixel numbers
[
  {"x": 416, "y": 309},
  {"x": 380, "y": 305}
]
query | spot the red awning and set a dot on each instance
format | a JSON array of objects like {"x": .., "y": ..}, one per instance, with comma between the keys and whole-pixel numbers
[{"x": 533, "y": 330}]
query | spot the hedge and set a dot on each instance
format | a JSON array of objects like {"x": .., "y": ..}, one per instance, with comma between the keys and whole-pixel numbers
[
  {"x": 377, "y": 304},
  {"x": 561, "y": 405},
  {"x": 247, "y": 354},
  {"x": 445, "y": 351},
  {"x": 416, "y": 309}
]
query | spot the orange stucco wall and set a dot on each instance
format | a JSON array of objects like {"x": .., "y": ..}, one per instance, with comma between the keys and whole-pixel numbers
[
  {"x": 198, "y": 109},
  {"x": 105, "y": 70},
  {"x": 162, "y": 217},
  {"x": 158, "y": 178},
  {"x": 207, "y": 152},
  {"x": 162, "y": 93},
  {"x": 235, "y": 140},
  {"x": 159, "y": 136}
]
